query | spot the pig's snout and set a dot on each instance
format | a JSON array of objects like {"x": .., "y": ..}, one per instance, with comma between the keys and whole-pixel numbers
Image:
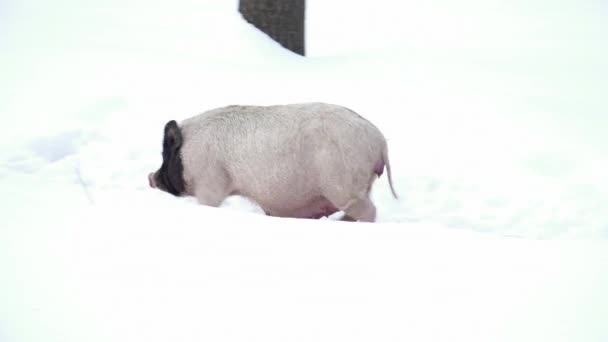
[{"x": 151, "y": 180}]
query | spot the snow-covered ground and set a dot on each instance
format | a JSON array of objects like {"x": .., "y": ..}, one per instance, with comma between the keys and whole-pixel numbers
[{"x": 495, "y": 113}]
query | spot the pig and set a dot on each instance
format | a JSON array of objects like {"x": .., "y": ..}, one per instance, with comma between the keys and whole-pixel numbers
[{"x": 302, "y": 160}]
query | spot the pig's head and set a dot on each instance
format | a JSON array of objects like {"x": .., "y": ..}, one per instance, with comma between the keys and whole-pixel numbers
[{"x": 170, "y": 176}]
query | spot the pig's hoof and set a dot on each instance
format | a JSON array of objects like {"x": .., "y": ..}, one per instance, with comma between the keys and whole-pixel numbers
[{"x": 347, "y": 218}]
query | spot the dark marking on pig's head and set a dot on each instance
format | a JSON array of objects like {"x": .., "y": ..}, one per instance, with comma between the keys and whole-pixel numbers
[{"x": 170, "y": 176}]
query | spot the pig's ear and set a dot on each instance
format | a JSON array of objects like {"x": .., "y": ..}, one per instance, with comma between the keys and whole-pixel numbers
[
  {"x": 173, "y": 136},
  {"x": 171, "y": 171}
]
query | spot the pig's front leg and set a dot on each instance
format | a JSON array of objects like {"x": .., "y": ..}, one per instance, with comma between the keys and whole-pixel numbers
[
  {"x": 212, "y": 193},
  {"x": 210, "y": 198}
]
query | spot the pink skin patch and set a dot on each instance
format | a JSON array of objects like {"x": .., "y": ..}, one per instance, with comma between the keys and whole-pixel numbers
[
  {"x": 151, "y": 180},
  {"x": 322, "y": 208},
  {"x": 379, "y": 168},
  {"x": 324, "y": 211}
]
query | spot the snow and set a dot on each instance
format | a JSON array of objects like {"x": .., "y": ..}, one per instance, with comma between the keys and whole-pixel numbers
[{"x": 495, "y": 116}]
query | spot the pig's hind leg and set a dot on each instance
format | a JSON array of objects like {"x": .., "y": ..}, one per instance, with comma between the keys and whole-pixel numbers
[
  {"x": 362, "y": 210},
  {"x": 349, "y": 190},
  {"x": 357, "y": 208}
]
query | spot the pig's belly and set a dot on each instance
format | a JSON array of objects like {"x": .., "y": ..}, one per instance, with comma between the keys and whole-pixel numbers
[{"x": 315, "y": 209}]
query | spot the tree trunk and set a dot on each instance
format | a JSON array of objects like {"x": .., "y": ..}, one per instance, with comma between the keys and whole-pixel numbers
[{"x": 282, "y": 20}]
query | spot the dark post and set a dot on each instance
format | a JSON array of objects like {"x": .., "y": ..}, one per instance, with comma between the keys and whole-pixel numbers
[{"x": 282, "y": 20}]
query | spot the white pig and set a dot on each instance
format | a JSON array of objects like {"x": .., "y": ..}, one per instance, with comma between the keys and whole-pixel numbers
[{"x": 305, "y": 160}]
